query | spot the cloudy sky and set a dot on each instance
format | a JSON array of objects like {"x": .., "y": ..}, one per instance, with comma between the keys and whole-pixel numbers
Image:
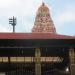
[{"x": 62, "y": 13}]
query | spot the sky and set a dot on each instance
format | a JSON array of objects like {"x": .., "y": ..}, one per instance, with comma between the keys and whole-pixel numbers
[{"x": 62, "y": 13}]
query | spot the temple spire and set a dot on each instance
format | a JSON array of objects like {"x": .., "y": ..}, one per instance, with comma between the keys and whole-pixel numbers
[{"x": 43, "y": 21}]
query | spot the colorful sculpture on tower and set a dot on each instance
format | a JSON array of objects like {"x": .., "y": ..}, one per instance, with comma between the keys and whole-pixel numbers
[{"x": 43, "y": 22}]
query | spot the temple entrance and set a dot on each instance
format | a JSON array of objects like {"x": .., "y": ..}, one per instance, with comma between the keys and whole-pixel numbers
[{"x": 42, "y": 61}]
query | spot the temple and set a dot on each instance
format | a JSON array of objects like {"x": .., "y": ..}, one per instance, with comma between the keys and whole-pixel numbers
[{"x": 41, "y": 52}]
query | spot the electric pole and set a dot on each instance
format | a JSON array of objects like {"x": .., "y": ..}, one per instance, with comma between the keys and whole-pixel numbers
[{"x": 12, "y": 21}]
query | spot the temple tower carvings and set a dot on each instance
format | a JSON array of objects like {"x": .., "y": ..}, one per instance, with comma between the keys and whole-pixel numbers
[{"x": 43, "y": 22}]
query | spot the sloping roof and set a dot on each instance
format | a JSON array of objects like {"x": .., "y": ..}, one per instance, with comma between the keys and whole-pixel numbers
[{"x": 34, "y": 36}]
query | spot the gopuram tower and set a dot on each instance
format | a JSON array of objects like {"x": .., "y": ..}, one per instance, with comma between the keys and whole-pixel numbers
[{"x": 43, "y": 22}]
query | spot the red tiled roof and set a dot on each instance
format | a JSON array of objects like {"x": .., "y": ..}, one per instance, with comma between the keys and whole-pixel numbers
[{"x": 34, "y": 36}]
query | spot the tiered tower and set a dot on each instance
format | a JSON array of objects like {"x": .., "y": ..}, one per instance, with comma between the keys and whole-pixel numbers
[{"x": 43, "y": 22}]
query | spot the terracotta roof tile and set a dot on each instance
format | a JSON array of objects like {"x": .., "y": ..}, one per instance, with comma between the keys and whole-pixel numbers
[{"x": 34, "y": 36}]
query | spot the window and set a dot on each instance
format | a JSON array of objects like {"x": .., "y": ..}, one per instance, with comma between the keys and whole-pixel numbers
[
  {"x": 28, "y": 59},
  {"x": 0, "y": 59},
  {"x": 13, "y": 59},
  {"x": 51, "y": 59},
  {"x": 20, "y": 59},
  {"x": 5, "y": 59}
]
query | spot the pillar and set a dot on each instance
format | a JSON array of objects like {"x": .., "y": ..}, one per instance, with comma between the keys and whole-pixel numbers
[
  {"x": 37, "y": 61},
  {"x": 72, "y": 61}
]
